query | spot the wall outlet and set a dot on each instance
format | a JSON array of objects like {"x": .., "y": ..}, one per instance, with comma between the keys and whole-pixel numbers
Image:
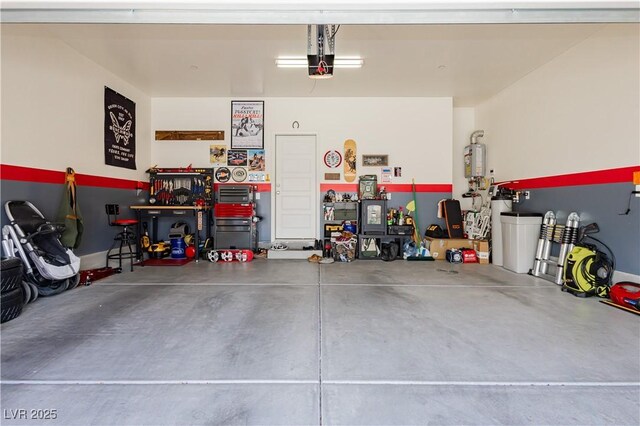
[
  {"x": 257, "y": 195},
  {"x": 526, "y": 195},
  {"x": 637, "y": 191}
]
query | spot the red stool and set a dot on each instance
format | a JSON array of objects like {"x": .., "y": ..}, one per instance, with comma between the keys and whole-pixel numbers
[{"x": 125, "y": 238}]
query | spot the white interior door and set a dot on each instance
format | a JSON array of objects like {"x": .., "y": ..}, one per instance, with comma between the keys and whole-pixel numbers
[{"x": 296, "y": 210}]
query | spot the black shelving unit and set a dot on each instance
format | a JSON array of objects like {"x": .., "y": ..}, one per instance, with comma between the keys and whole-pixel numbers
[
  {"x": 379, "y": 232},
  {"x": 335, "y": 213}
]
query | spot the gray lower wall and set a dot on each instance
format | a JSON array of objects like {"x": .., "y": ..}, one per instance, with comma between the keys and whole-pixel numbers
[
  {"x": 427, "y": 206},
  {"x": 98, "y": 235},
  {"x": 427, "y": 212},
  {"x": 601, "y": 204},
  {"x": 263, "y": 209}
]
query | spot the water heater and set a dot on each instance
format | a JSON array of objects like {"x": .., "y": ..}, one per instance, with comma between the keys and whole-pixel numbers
[{"x": 475, "y": 157}]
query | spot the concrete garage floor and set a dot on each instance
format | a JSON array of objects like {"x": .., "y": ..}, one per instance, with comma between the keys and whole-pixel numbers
[{"x": 289, "y": 342}]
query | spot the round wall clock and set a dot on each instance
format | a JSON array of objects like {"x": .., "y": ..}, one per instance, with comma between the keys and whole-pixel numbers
[{"x": 332, "y": 159}]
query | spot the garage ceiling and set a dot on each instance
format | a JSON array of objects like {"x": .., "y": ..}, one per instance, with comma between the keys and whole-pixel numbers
[{"x": 468, "y": 62}]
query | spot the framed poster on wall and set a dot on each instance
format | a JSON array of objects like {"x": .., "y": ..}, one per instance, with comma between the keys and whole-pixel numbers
[
  {"x": 375, "y": 160},
  {"x": 119, "y": 130},
  {"x": 247, "y": 124}
]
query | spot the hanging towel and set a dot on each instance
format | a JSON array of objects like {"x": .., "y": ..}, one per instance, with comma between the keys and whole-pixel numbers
[
  {"x": 69, "y": 213},
  {"x": 441, "y": 208}
]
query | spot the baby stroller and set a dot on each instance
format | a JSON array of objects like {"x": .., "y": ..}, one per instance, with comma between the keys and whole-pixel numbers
[{"x": 29, "y": 236}]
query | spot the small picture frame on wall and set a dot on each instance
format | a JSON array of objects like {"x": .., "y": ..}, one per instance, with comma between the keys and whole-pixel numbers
[
  {"x": 375, "y": 160},
  {"x": 247, "y": 124},
  {"x": 237, "y": 157}
]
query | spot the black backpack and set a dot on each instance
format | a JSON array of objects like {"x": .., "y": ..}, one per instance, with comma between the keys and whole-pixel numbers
[{"x": 389, "y": 251}]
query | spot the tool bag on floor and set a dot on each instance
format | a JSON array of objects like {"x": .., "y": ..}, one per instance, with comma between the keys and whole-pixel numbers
[
  {"x": 454, "y": 256},
  {"x": 434, "y": 231},
  {"x": 453, "y": 218}
]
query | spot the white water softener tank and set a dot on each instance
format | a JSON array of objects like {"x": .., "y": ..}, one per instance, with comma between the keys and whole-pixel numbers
[{"x": 499, "y": 204}]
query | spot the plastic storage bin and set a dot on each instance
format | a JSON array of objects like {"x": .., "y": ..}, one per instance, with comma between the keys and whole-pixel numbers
[{"x": 520, "y": 233}]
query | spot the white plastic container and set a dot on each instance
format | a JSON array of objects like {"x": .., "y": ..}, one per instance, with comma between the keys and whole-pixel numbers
[
  {"x": 499, "y": 204},
  {"x": 520, "y": 233}
]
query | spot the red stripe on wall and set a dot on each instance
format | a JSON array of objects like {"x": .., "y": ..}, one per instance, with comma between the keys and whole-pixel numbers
[
  {"x": 29, "y": 174},
  {"x": 258, "y": 187},
  {"x": 597, "y": 177},
  {"x": 420, "y": 187},
  {"x": 340, "y": 187},
  {"x": 390, "y": 187},
  {"x": 106, "y": 182}
]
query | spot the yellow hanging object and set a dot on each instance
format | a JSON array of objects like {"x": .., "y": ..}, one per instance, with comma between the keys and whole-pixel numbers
[{"x": 411, "y": 206}]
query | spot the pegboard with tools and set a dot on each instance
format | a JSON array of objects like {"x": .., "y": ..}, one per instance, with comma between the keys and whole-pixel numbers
[{"x": 181, "y": 186}]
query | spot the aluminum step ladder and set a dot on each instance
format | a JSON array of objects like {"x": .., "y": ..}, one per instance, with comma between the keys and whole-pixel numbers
[{"x": 553, "y": 233}]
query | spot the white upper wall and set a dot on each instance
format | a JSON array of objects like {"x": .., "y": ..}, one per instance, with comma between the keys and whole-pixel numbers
[
  {"x": 579, "y": 112},
  {"x": 416, "y": 133},
  {"x": 53, "y": 109},
  {"x": 463, "y": 126}
]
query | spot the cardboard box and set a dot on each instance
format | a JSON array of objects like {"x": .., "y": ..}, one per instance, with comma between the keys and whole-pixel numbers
[
  {"x": 439, "y": 246},
  {"x": 482, "y": 250}
]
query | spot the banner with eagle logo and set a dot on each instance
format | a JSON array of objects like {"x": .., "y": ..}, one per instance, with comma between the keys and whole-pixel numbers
[{"x": 119, "y": 130}]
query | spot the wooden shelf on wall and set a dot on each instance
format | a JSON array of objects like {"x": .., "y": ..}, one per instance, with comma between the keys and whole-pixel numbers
[{"x": 189, "y": 135}]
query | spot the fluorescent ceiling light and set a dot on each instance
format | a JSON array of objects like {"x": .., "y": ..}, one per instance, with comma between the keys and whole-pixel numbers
[
  {"x": 301, "y": 62},
  {"x": 291, "y": 62}
]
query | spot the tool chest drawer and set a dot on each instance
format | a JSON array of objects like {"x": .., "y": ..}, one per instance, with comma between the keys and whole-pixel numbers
[
  {"x": 238, "y": 240},
  {"x": 227, "y": 222},
  {"x": 233, "y": 210},
  {"x": 232, "y": 228},
  {"x": 237, "y": 194}
]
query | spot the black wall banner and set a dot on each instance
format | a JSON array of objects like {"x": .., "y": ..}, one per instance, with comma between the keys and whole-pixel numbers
[{"x": 119, "y": 130}]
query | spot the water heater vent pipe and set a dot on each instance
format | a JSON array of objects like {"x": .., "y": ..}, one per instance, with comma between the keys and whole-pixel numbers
[{"x": 475, "y": 135}]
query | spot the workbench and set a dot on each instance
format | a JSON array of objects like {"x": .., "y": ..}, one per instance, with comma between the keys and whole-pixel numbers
[{"x": 201, "y": 216}]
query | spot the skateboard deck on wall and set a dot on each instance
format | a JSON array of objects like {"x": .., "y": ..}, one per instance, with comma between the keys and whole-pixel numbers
[
  {"x": 230, "y": 255},
  {"x": 350, "y": 155}
]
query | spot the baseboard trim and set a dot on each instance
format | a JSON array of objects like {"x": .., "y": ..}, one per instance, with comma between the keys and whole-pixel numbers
[
  {"x": 624, "y": 276},
  {"x": 98, "y": 260},
  {"x": 93, "y": 260}
]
